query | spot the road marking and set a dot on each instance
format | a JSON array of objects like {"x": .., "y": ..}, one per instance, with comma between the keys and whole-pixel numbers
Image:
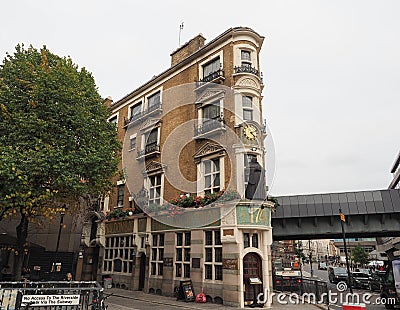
[{"x": 118, "y": 307}]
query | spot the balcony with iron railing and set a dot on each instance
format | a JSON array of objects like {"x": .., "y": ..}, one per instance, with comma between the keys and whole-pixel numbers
[
  {"x": 150, "y": 149},
  {"x": 213, "y": 77},
  {"x": 208, "y": 127},
  {"x": 245, "y": 69},
  {"x": 147, "y": 112}
]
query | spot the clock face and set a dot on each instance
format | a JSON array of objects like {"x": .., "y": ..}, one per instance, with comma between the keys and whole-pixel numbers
[{"x": 250, "y": 132}]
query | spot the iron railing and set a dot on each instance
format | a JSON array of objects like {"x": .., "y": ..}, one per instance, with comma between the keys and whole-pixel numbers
[
  {"x": 63, "y": 295},
  {"x": 149, "y": 149},
  {"x": 315, "y": 289},
  {"x": 208, "y": 125},
  {"x": 212, "y": 76},
  {"x": 245, "y": 69},
  {"x": 138, "y": 116}
]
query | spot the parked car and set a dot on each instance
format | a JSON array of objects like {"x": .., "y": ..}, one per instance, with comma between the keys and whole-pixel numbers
[
  {"x": 322, "y": 266},
  {"x": 367, "y": 271},
  {"x": 375, "y": 280},
  {"x": 337, "y": 274},
  {"x": 360, "y": 279}
]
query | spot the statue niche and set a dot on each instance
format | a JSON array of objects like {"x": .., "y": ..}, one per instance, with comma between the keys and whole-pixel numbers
[{"x": 255, "y": 189}]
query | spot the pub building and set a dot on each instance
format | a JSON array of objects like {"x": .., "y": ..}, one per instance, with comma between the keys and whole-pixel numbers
[{"x": 189, "y": 209}]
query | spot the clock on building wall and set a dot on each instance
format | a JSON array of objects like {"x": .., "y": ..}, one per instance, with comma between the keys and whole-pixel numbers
[{"x": 250, "y": 132}]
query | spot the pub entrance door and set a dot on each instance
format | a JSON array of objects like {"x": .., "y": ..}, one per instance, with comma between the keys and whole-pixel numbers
[{"x": 252, "y": 268}]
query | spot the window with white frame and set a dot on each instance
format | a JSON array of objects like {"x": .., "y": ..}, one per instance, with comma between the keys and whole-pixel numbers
[
  {"x": 120, "y": 195},
  {"x": 132, "y": 142},
  {"x": 157, "y": 255},
  {"x": 245, "y": 57},
  {"x": 247, "y": 104},
  {"x": 211, "y": 111},
  {"x": 211, "y": 67},
  {"x": 154, "y": 101},
  {"x": 210, "y": 116},
  {"x": 213, "y": 255},
  {"x": 152, "y": 138},
  {"x": 182, "y": 255},
  {"x": 212, "y": 176},
  {"x": 114, "y": 120},
  {"x": 118, "y": 254},
  {"x": 136, "y": 111},
  {"x": 155, "y": 189},
  {"x": 250, "y": 240}
]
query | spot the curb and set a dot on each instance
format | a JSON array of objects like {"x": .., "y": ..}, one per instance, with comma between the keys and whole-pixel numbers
[{"x": 158, "y": 303}]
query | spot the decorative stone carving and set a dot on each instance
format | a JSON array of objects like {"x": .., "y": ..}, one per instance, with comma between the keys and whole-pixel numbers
[
  {"x": 247, "y": 82},
  {"x": 150, "y": 124},
  {"x": 152, "y": 167},
  {"x": 209, "y": 93},
  {"x": 207, "y": 149}
]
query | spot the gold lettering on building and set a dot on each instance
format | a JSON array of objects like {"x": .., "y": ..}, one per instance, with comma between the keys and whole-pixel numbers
[{"x": 117, "y": 227}]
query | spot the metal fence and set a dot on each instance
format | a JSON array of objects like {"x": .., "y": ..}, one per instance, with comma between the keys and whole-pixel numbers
[
  {"x": 316, "y": 290},
  {"x": 51, "y": 296}
]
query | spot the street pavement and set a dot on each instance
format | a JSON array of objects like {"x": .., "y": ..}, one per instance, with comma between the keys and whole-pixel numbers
[{"x": 136, "y": 300}]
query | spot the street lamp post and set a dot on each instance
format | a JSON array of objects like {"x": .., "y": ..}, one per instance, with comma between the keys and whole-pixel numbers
[
  {"x": 310, "y": 256},
  {"x": 349, "y": 277},
  {"x": 62, "y": 213}
]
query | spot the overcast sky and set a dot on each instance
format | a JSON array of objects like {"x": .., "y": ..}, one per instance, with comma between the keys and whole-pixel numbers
[{"x": 331, "y": 71}]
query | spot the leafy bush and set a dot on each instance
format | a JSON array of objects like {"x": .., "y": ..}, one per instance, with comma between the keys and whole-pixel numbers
[{"x": 119, "y": 214}]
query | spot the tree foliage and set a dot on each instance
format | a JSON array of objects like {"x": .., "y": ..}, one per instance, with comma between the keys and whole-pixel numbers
[
  {"x": 359, "y": 256},
  {"x": 56, "y": 144}
]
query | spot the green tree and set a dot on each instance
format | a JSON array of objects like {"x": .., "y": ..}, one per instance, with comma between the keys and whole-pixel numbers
[
  {"x": 359, "y": 256},
  {"x": 56, "y": 144}
]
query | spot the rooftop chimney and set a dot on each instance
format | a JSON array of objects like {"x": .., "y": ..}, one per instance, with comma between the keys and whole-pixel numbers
[{"x": 187, "y": 49}]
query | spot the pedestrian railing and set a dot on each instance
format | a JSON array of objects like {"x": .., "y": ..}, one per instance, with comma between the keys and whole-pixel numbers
[
  {"x": 72, "y": 295},
  {"x": 316, "y": 291}
]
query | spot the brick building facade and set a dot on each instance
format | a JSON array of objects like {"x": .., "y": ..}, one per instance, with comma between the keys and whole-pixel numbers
[{"x": 193, "y": 135}]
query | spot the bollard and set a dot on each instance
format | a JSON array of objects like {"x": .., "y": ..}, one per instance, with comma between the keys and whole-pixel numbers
[{"x": 351, "y": 306}]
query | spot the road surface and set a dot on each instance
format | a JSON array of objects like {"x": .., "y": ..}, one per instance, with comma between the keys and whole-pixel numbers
[{"x": 372, "y": 299}]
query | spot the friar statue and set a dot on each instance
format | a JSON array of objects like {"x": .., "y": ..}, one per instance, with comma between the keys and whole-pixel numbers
[{"x": 255, "y": 189}]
